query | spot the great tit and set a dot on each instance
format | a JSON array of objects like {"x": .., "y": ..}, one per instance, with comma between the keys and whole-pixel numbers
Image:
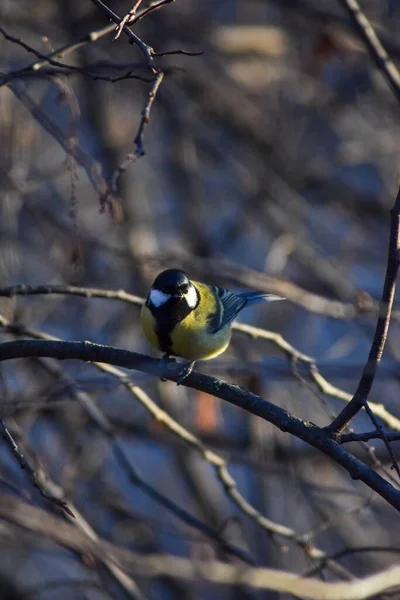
[{"x": 191, "y": 319}]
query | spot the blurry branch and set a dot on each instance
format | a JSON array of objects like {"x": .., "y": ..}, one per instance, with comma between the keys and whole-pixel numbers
[
  {"x": 345, "y": 438},
  {"x": 31, "y": 50},
  {"x": 218, "y": 463},
  {"x": 321, "y": 13},
  {"x": 255, "y": 332},
  {"x": 243, "y": 276},
  {"x": 88, "y": 38},
  {"x": 80, "y": 585},
  {"x": 364, "y": 305},
  {"x": 355, "y": 550},
  {"x": 25, "y": 464},
  {"x": 92, "y": 168},
  {"x": 221, "y": 469},
  {"x": 92, "y": 71},
  {"x": 55, "y": 494},
  {"x": 322, "y": 383},
  {"x": 330, "y": 390},
  {"x": 37, "y": 521},
  {"x": 28, "y": 290},
  {"x": 103, "y": 423},
  {"x": 375, "y": 462},
  {"x": 364, "y": 387},
  {"x": 377, "y": 51},
  {"x": 283, "y": 420}
]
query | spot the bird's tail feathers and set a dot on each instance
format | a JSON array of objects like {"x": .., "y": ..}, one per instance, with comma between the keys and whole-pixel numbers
[{"x": 254, "y": 297}]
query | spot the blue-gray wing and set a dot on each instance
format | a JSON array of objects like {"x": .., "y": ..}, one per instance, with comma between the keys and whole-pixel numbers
[{"x": 229, "y": 306}]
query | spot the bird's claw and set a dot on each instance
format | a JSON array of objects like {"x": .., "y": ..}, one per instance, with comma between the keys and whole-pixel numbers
[{"x": 185, "y": 372}]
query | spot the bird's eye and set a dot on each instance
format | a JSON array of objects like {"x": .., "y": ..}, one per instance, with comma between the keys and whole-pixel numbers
[{"x": 185, "y": 288}]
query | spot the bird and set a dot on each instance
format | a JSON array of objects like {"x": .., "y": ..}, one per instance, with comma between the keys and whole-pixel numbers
[{"x": 190, "y": 319}]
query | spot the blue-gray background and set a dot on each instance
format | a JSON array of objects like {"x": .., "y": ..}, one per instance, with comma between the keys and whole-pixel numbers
[{"x": 276, "y": 150}]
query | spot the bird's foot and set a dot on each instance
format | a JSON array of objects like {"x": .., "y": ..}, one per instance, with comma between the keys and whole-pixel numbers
[
  {"x": 166, "y": 360},
  {"x": 186, "y": 370}
]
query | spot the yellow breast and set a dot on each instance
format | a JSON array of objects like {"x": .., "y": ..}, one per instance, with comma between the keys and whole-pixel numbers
[
  {"x": 148, "y": 323},
  {"x": 191, "y": 337}
]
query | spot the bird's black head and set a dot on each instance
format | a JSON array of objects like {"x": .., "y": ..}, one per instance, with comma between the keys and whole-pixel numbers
[
  {"x": 172, "y": 296},
  {"x": 172, "y": 282}
]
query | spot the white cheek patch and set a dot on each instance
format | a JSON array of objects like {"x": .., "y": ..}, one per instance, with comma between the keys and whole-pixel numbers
[
  {"x": 191, "y": 297},
  {"x": 158, "y": 298}
]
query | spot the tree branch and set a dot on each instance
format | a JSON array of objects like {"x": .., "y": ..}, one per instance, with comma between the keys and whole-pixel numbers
[
  {"x": 26, "y": 466},
  {"x": 286, "y": 422},
  {"x": 277, "y": 339},
  {"x": 37, "y": 521},
  {"x": 364, "y": 387},
  {"x": 371, "y": 40}
]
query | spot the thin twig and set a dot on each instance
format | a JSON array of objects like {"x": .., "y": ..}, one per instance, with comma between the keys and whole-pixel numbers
[
  {"x": 154, "y": 6},
  {"x": 145, "y": 48},
  {"x": 139, "y": 151},
  {"x": 345, "y": 438},
  {"x": 53, "y": 492},
  {"x": 364, "y": 387},
  {"x": 377, "y": 51},
  {"x": 358, "y": 550},
  {"x": 127, "y": 19},
  {"x": 26, "y": 466},
  {"x": 92, "y": 168}
]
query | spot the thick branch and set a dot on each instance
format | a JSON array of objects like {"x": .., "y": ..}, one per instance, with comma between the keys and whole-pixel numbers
[{"x": 234, "y": 394}]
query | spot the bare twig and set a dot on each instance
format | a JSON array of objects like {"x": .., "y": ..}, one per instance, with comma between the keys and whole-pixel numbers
[
  {"x": 28, "y": 290},
  {"x": 92, "y": 168},
  {"x": 127, "y": 19},
  {"x": 345, "y": 438},
  {"x": 25, "y": 464},
  {"x": 364, "y": 387},
  {"x": 139, "y": 136},
  {"x": 148, "y": 53},
  {"x": 154, "y": 6},
  {"x": 357, "y": 550},
  {"x": 377, "y": 51}
]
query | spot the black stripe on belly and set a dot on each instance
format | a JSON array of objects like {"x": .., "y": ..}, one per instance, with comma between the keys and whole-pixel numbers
[
  {"x": 167, "y": 316},
  {"x": 163, "y": 333}
]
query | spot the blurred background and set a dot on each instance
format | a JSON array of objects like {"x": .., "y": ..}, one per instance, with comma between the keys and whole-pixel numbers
[{"x": 271, "y": 163}]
